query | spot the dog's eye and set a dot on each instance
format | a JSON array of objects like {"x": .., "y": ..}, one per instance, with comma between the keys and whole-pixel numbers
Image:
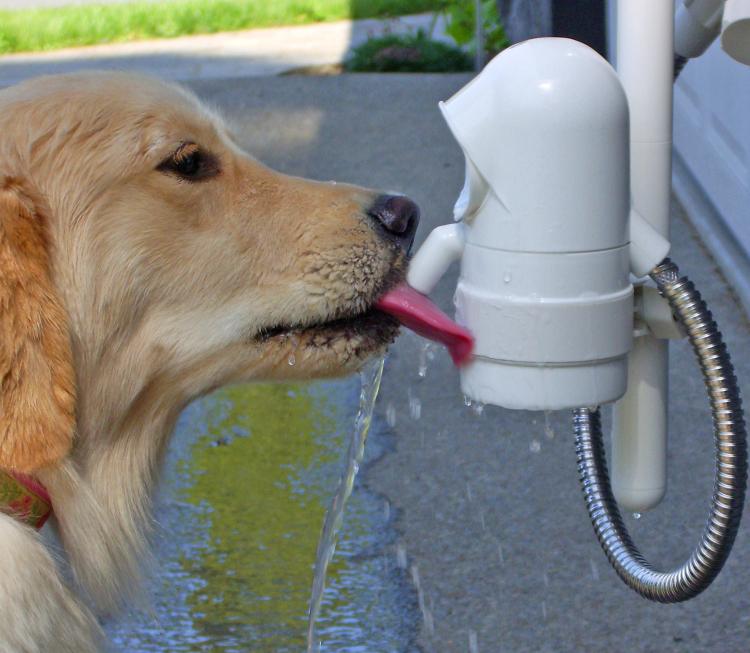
[{"x": 190, "y": 163}]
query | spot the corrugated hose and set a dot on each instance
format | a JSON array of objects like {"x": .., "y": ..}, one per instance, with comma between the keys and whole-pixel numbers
[{"x": 707, "y": 559}]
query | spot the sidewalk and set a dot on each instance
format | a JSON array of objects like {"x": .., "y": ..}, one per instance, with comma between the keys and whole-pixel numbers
[{"x": 250, "y": 53}]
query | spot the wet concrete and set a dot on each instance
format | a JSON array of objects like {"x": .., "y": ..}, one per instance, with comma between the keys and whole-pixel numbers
[{"x": 495, "y": 534}]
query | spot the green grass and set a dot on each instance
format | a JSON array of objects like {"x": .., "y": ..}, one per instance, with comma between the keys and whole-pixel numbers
[
  {"x": 28, "y": 30},
  {"x": 408, "y": 54}
]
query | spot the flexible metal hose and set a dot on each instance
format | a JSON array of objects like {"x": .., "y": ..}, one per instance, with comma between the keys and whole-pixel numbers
[{"x": 709, "y": 556}]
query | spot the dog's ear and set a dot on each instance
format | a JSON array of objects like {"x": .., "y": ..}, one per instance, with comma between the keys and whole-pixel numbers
[{"x": 37, "y": 385}]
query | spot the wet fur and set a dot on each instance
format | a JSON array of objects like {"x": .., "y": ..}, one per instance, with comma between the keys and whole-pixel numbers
[{"x": 126, "y": 292}]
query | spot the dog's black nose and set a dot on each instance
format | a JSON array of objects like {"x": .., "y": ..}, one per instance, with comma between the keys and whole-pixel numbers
[{"x": 398, "y": 216}]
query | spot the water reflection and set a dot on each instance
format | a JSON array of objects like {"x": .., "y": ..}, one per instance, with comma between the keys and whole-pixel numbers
[{"x": 247, "y": 481}]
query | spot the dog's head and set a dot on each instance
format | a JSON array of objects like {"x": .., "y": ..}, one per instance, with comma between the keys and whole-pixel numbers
[{"x": 138, "y": 240}]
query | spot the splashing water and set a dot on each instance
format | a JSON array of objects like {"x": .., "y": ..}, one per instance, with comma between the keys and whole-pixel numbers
[
  {"x": 535, "y": 446},
  {"x": 637, "y": 515},
  {"x": 371, "y": 376}
]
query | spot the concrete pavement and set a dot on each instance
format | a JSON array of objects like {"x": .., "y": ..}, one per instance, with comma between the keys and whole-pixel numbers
[
  {"x": 495, "y": 537},
  {"x": 248, "y": 53}
]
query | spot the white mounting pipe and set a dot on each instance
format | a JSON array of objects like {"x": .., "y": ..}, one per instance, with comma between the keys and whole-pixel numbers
[{"x": 645, "y": 52}]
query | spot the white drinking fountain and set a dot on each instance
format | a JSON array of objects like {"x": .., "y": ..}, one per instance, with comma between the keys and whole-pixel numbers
[{"x": 562, "y": 234}]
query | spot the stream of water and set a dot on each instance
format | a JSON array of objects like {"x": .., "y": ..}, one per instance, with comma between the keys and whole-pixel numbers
[{"x": 371, "y": 376}]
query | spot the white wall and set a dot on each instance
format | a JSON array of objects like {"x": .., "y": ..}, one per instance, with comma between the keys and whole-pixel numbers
[
  {"x": 712, "y": 158},
  {"x": 711, "y": 176}
]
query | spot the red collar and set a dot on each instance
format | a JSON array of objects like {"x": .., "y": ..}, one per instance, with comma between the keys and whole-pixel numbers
[{"x": 25, "y": 498}]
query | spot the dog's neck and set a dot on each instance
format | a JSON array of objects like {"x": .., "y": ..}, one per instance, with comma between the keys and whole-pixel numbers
[{"x": 103, "y": 495}]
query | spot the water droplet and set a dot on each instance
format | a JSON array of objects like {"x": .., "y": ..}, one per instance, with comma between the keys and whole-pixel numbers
[
  {"x": 291, "y": 360},
  {"x": 594, "y": 570},
  {"x": 544, "y": 610},
  {"x": 426, "y": 354},
  {"x": 387, "y": 510},
  {"x": 473, "y": 644},
  {"x": 401, "y": 556},
  {"x": 477, "y": 408},
  {"x": 500, "y": 553},
  {"x": 507, "y": 277},
  {"x": 390, "y": 414},
  {"x": 636, "y": 515},
  {"x": 467, "y": 401},
  {"x": 481, "y": 521},
  {"x": 415, "y": 407},
  {"x": 549, "y": 432},
  {"x": 535, "y": 446}
]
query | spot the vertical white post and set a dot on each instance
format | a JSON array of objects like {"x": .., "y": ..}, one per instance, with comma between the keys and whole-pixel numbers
[{"x": 645, "y": 52}]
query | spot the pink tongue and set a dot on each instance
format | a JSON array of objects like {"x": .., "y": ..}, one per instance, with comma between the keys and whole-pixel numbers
[{"x": 419, "y": 314}]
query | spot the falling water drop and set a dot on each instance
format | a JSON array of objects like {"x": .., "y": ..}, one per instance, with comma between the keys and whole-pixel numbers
[
  {"x": 594, "y": 570},
  {"x": 549, "y": 432},
  {"x": 401, "y": 559},
  {"x": 507, "y": 277},
  {"x": 544, "y": 610},
  {"x": 390, "y": 414},
  {"x": 636, "y": 515},
  {"x": 467, "y": 401},
  {"x": 426, "y": 355},
  {"x": 429, "y": 622},
  {"x": 294, "y": 341},
  {"x": 535, "y": 446},
  {"x": 473, "y": 644},
  {"x": 415, "y": 407},
  {"x": 387, "y": 510},
  {"x": 500, "y": 554}
]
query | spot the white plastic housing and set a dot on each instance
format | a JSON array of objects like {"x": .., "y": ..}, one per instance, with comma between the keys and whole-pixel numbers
[
  {"x": 544, "y": 283},
  {"x": 735, "y": 30}
]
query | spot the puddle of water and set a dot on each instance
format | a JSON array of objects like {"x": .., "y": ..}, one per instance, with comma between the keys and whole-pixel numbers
[{"x": 246, "y": 483}]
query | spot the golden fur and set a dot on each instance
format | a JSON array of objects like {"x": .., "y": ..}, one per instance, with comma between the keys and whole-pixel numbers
[{"x": 127, "y": 290}]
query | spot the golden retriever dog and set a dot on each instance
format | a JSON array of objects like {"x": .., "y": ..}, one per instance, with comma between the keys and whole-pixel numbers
[{"x": 146, "y": 260}]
